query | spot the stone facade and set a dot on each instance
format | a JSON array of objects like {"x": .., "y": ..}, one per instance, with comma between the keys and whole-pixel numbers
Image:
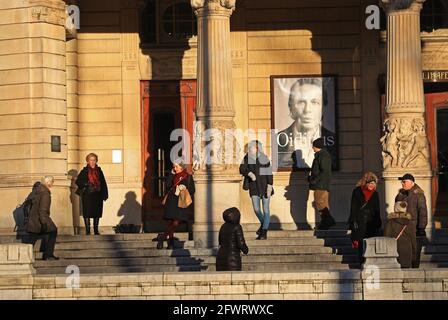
[{"x": 85, "y": 88}]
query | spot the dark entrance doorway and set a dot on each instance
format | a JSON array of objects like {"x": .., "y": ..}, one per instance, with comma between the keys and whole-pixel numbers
[
  {"x": 166, "y": 106},
  {"x": 437, "y": 120}
]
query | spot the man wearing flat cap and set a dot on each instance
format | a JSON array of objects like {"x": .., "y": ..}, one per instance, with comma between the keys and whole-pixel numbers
[
  {"x": 415, "y": 198},
  {"x": 319, "y": 182}
]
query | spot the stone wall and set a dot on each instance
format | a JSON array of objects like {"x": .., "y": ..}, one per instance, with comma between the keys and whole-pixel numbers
[{"x": 335, "y": 285}]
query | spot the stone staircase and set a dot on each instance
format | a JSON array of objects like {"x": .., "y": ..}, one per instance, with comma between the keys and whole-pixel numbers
[{"x": 283, "y": 251}]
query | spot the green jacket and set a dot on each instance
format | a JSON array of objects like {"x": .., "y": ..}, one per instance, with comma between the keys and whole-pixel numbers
[{"x": 320, "y": 176}]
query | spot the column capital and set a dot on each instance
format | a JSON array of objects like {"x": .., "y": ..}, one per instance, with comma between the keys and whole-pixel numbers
[
  {"x": 216, "y": 7},
  {"x": 402, "y": 5}
]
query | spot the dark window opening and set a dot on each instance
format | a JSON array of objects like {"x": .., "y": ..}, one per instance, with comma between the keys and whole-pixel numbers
[{"x": 179, "y": 21}]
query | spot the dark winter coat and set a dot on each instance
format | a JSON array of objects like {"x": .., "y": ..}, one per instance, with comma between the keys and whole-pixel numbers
[
  {"x": 365, "y": 218},
  {"x": 320, "y": 171},
  {"x": 92, "y": 201},
  {"x": 172, "y": 210},
  {"x": 259, "y": 186},
  {"x": 416, "y": 205},
  {"x": 39, "y": 219},
  {"x": 231, "y": 242},
  {"x": 406, "y": 243}
]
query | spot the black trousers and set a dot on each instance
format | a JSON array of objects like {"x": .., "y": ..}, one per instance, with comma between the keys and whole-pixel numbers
[
  {"x": 420, "y": 242},
  {"x": 48, "y": 241}
]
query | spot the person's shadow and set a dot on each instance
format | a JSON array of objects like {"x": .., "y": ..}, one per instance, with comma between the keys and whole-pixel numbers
[
  {"x": 298, "y": 194},
  {"x": 130, "y": 210}
]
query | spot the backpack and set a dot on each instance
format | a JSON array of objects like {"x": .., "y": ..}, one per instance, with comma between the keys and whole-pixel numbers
[{"x": 27, "y": 205}]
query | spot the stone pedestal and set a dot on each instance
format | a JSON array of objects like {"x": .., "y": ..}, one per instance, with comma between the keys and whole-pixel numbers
[
  {"x": 16, "y": 271},
  {"x": 404, "y": 143},
  {"x": 217, "y": 179},
  {"x": 382, "y": 277}
]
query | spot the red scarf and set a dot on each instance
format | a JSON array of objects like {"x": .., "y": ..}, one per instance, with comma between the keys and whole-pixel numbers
[
  {"x": 178, "y": 177},
  {"x": 367, "y": 193},
  {"x": 94, "y": 178}
]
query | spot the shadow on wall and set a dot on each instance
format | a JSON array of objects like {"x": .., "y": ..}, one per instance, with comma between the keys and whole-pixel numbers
[
  {"x": 298, "y": 199},
  {"x": 130, "y": 210},
  {"x": 75, "y": 200}
]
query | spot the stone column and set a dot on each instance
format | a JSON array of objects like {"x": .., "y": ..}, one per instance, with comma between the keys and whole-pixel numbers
[
  {"x": 33, "y": 106},
  {"x": 404, "y": 143},
  {"x": 217, "y": 179}
]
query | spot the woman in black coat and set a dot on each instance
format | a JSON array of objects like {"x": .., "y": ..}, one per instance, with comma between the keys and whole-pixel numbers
[
  {"x": 231, "y": 242},
  {"x": 365, "y": 219},
  {"x": 257, "y": 171},
  {"x": 92, "y": 188},
  {"x": 178, "y": 181}
]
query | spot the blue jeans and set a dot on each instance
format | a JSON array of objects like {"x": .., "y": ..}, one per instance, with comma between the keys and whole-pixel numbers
[{"x": 263, "y": 218}]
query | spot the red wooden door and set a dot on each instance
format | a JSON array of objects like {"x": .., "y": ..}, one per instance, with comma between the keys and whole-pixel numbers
[
  {"x": 436, "y": 113},
  {"x": 166, "y": 105}
]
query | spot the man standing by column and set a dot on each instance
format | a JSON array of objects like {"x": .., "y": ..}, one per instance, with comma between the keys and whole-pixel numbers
[
  {"x": 319, "y": 182},
  {"x": 415, "y": 198}
]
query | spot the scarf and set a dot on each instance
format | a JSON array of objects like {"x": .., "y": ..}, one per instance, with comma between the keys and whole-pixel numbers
[
  {"x": 367, "y": 193},
  {"x": 93, "y": 175},
  {"x": 178, "y": 177}
]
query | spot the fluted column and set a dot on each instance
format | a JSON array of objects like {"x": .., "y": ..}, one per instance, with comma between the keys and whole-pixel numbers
[
  {"x": 217, "y": 181},
  {"x": 404, "y": 143}
]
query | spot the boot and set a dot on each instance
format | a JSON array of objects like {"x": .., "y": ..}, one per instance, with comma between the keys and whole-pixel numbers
[
  {"x": 327, "y": 220},
  {"x": 259, "y": 229},
  {"x": 263, "y": 235},
  {"x": 87, "y": 224},
  {"x": 96, "y": 222},
  {"x": 160, "y": 239},
  {"x": 170, "y": 243}
]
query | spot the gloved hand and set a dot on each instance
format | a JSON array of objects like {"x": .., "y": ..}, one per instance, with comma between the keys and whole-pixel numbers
[
  {"x": 43, "y": 228},
  {"x": 269, "y": 191},
  {"x": 252, "y": 176},
  {"x": 177, "y": 192},
  {"x": 182, "y": 187},
  {"x": 421, "y": 232}
]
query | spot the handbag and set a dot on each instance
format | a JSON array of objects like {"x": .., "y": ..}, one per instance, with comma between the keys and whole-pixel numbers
[{"x": 184, "y": 199}]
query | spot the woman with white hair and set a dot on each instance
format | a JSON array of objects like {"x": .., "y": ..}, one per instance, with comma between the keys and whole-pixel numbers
[
  {"x": 93, "y": 190},
  {"x": 39, "y": 222}
]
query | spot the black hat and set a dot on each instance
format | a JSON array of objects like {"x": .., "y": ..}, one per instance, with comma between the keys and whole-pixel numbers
[
  {"x": 318, "y": 143},
  {"x": 407, "y": 176}
]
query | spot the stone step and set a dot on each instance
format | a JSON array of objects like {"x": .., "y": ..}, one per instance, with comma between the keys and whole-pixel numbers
[{"x": 123, "y": 269}]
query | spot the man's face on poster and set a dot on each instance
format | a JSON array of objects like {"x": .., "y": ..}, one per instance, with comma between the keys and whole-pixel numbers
[{"x": 307, "y": 106}]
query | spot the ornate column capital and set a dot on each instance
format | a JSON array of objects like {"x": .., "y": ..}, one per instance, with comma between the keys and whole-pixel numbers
[
  {"x": 402, "y": 5},
  {"x": 215, "y": 7}
]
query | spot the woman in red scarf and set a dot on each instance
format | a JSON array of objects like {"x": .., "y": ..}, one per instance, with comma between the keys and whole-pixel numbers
[
  {"x": 365, "y": 219},
  {"x": 92, "y": 187},
  {"x": 178, "y": 181}
]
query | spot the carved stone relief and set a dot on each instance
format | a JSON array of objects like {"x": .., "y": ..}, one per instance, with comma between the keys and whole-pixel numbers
[{"x": 404, "y": 144}]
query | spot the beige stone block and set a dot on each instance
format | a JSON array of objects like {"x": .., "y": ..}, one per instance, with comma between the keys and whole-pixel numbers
[
  {"x": 129, "y": 291},
  {"x": 265, "y": 70},
  {"x": 101, "y": 35},
  {"x": 436, "y": 274},
  {"x": 72, "y": 115},
  {"x": 163, "y": 297},
  {"x": 53, "y": 293},
  {"x": 422, "y": 286},
  {"x": 25, "y": 151},
  {"x": 35, "y": 105},
  {"x": 38, "y": 166},
  {"x": 340, "y": 296},
  {"x": 36, "y": 121},
  {"x": 259, "y": 112},
  {"x": 198, "y": 278},
  {"x": 289, "y": 287},
  {"x": 44, "y": 281},
  {"x": 72, "y": 73},
  {"x": 99, "y": 73},
  {"x": 301, "y": 296},
  {"x": 100, "y": 101},
  {"x": 266, "y": 296},
  {"x": 103, "y": 142},
  {"x": 9, "y": 279},
  {"x": 268, "y": 288},
  {"x": 242, "y": 277},
  {"x": 103, "y": 46},
  {"x": 430, "y": 296},
  {"x": 99, "y": 59},
  {"x": 197, "y": 297},
  {"x": 99, "y": 87},
  {"x": 16, "y": 294},
  {"x": 197, "y": 290},
  {"x": 101, "y": 128},
  {"x": 259, "y": 98},
  {"x": 341, "y": 287},
  {"x": 302, "y": 42},
  {"x": 301, "y": 56},
  {"x": 72, "y": 101},
  {"x": 45, "y": 30},
  {"x": 100, "y": 115},
  {"x": 227, "y": 289},
  {"x": 157, "y": 290},
  {"x": 230, "y": 297}
]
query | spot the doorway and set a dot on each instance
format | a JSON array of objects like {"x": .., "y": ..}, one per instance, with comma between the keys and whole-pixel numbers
[
  {"x": 437, "y": 120},
  {"x": 166, "y": 106}
]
